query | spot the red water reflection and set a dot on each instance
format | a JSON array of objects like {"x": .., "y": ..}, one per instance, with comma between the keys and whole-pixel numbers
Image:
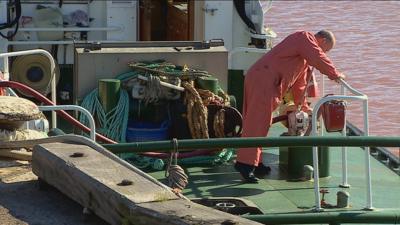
[{"x": 367, "y": 50}]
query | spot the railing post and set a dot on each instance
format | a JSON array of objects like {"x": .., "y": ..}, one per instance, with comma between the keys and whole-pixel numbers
[
  {"x": 316, "y": 180},
  {"x": 344, "y": 183},
  {"x": 359, "y": 96},
  {"x": 315, "y": 160},
  {"x": 367, "y": 158},
  {"x": 52, "y": 71},
  {"x": 84, "y": 111}
]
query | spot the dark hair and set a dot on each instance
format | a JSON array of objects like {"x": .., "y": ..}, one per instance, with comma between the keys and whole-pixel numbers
[{"x": 327, "y": 35}]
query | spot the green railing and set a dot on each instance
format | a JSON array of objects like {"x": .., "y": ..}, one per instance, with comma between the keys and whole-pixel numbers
[
  {"x": 192, "y": 144},
  {"x": 381, "y": 217},
  {"x": 390, "y": 216}
]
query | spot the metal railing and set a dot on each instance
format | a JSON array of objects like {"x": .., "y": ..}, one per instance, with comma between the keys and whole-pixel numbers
[
  {"x": 357, "y": 96},
  {"x": 52, "y": 83},
  {"x": 59, "y": 29},
  {"x": 84, "y": 111}
]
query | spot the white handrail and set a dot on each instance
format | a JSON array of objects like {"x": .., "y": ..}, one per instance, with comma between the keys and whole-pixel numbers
[
  {"x": 359, "y": 96},
  {"x": 84, "y": 111},
  {"x": 52, "y": 70},
  {"x": 344, "y": 183},
  {"x": 68, "y": 29}
]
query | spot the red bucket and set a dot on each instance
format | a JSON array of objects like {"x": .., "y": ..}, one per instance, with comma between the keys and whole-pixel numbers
[{"x": 334, "y": 115}]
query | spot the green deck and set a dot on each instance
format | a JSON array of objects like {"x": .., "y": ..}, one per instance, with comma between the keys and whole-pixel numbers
[{"x": 277, "y": 194}]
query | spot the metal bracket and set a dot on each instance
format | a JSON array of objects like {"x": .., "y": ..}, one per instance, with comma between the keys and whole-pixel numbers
[{"x": 209, "y": 10}]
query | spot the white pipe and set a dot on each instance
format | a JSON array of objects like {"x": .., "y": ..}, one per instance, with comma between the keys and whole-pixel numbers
[
  {"x": 362, "y": 97},
  {"x": 344, "y": 183},
  {"x": 68, "y": 29},
  {"x": 92, "y": 125},
  {"x": 350, "y": 88},
  {"x": 321, "y": 131},
  {"x": 6, "y": 72},
  {"x": 367, "y": 158},
  {"x": 52, "y": 69},
  {"x": 316, "y": 180},
  {"x": 40, "y": 42},
  {"x": 165, "y": 84},
  {"x": 61, "y": 42},
  {"x": 322, "y": 85}
]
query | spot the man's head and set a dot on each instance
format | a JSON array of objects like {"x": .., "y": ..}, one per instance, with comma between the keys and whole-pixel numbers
[{"x": 326, "y": 40}]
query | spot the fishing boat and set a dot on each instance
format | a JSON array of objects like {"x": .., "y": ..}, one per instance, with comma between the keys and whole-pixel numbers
[{"x": 124, "y": 70}]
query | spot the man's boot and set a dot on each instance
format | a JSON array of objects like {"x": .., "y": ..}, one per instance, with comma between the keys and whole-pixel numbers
[
  {"x": 262, "y": 170},
  {"x": 247, "y": 172}
]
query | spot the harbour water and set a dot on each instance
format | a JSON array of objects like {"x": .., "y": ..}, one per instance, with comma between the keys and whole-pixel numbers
[{"x": 367, "y": 51}]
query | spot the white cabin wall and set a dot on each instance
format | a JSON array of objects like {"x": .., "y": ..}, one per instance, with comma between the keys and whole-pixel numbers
[
  {"x": 3, "y": 19},
  {"x": 97, "y": 10},
  {"x": 218, "y": 21},
  {"x": 116, "y": 13},
  {"x": 3, "y": 11},
  {"x": 29, "y": 9},
  {"x": 123, "y": 14},
  {"x": 198, "y": 21},
  {"x": 242, "y": 60}
]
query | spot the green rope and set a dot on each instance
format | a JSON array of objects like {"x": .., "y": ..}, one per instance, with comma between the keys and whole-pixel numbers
[
  {"x": 222, "y": 157},
  {"x": 113, "y": 124},
  {"x": 144, "y": 162}
]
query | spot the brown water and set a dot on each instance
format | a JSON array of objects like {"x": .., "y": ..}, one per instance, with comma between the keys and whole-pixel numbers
[{"x": 367, "y": 51}]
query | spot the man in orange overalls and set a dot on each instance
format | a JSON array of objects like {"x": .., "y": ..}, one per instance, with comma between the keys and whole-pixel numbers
[{"x": 284, "y": 67}]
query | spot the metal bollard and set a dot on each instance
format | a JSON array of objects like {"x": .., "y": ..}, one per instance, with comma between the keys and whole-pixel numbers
[
  {"x": 343, "y": 199},
  {"x": 308, "y": 172}
]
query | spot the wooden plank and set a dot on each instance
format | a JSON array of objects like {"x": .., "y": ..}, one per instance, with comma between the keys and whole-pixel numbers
[
  {"x": 16, "y": 154},
  {"x": 92, "y": 181}
]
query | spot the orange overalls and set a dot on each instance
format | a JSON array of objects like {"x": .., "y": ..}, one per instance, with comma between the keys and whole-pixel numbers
[{"x": 270, "y": 77}]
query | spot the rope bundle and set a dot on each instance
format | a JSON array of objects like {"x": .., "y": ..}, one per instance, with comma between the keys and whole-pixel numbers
[
  {"x": 177, "y": 178},
  {"x": 210, "y": 98},
  {"x": 155, "y": 91},
  {"x": 207, "y": 98},
  {"x": 196, "y": 112},
  {"x": 218, "y": 123},
  {"x": 152, "y": 92},
  {"x": 114, "y": 123}
]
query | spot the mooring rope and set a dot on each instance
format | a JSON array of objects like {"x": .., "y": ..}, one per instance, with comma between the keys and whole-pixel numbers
[
  {"x": 177, "y": 178},
  {"x": 112, "y": 124},
  {"x": 196, "y": 112}
]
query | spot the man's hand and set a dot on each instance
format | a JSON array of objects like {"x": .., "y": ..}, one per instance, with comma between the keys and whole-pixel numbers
[{"x": 341, "y": 77}]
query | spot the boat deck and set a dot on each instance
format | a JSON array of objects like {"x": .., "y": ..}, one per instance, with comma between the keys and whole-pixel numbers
[
  {"x": 21, "y": 201},
  {"x": 277, "y": 193}
]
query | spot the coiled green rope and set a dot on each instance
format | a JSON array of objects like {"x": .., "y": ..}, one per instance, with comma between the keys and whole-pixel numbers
[{"x": 113, "y": 124}]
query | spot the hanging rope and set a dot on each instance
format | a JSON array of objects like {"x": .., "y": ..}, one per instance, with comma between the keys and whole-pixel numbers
[
  {"x": 155, "y": 91},
  {"x": 196, "y": 112},
  {"x": 219, "y": 118},
  {"x": 177, "y": 179},
  {"x": 210, "y": 98},
  {"x": 152, "y": 92},
  {"x": 114, "y": 123},
  {"x": 218, "y": 123},
  {"x": 225, "y": 96}
]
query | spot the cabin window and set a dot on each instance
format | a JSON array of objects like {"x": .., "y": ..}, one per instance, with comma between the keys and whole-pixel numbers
[{"x": 167, "y": 20}]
